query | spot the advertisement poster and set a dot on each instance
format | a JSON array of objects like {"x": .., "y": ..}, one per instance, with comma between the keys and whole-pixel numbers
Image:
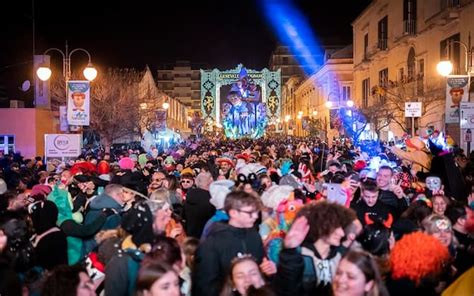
[
  {"x": 78, "y": 103},
  {"x": 457, "y": 91},
  {"x": 62, "y": 145}
]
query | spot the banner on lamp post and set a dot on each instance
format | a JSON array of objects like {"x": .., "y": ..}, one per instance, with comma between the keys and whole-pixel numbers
[
  {"x": 78, "y": 102},
  {"x": 457, "y": 91},
  {"x": 63, "y": 125}
]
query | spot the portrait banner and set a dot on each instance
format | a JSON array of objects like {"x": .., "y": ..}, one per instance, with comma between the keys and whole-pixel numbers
[
  {"x": 78, "y": 102},
  {"x": 457, "y": 91}
]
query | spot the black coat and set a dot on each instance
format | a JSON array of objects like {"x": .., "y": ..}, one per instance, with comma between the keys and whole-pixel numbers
[
  {"x": 197, "y": 211},
  {"x": 379, "y": 211},
  {"x": 214, "y": 256},
  {"x": 51, "y": 250}
]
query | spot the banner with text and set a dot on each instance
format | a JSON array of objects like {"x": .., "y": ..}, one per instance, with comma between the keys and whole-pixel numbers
[
  {"x": 78, "y": 102},
  {"x": 62, "y": 145},
  {"x": 457, "y": 91}
]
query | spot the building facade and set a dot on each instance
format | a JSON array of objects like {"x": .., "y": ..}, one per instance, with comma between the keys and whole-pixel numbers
[
  {"x": 152, "y": 98},
  {"x": 333, "y": 83},
  {"x": 397, "y": 45},
  {"x": 182, "y": 82}
]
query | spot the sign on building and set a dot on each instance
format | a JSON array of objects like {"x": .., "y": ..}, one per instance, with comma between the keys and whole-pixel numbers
[
  {"x": 62, "y": 145},
  {"x": 467, "y": 114},
  {"x": 413, "y": 109}
]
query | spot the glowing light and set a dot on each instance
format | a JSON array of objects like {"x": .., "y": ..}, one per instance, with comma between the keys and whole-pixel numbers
[
  {"x": 90, "y": 73},
  {"x": 299, "y": 116},
  {"x": 44, "y": 73},
  {"x": 444, "y": 68},
  {"x": 350, "y": 103},
  {"x": 328, "y": 104},
  {"x": 143, "y": 106},
  {"x": 287, "y": 118},
  {"x": 315, "y": 113},
  {"x": 165, "y": 105},
  {"x": 294, "y": 31},
  {"x": 190, "y": 118},
  {"x": 300, "y": 113}
]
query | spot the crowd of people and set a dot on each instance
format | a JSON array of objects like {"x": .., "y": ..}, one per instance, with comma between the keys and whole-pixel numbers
[{"x": 273, "y": 216}]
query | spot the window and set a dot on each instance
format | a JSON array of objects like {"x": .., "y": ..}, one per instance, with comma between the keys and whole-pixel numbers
[
  {"x": 383, "y": 77},
  {"x": 383, "y": 33},
  {"x": 401, "y": 75},
  {"x": 285, "y": 60},
  {"x": 366, "y": 45},
  {"x": 346, "y": 93},
  {"x": 450, "y": 50},
  {"x": 421, "y": 67},
  {"x": 7, "y": 144},
  {"x": 409, "y": 17},
  {"x": 365, "y": 92},
  {"x": 383, "y": 82},
  {"x": 420, "y": 87},
  {"x": 411, "y": 65}
]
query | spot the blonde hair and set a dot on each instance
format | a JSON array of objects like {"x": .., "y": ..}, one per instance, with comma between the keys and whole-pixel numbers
[{"x": 161, "y": 194}]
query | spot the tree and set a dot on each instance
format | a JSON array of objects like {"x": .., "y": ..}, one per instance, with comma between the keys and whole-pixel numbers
[
  {"x": 388, "y": 104},
  {"x": 114, "y": 106}
]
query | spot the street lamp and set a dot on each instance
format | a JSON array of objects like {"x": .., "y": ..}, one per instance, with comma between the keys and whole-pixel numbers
[
  {"x": 44, "y": 72},
  {"x": 445, "y": 68},
  {"x": 165, "y": 105}
]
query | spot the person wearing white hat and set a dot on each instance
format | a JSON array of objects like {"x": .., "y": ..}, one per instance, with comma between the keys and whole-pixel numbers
[{"x": 218, "y": 190}]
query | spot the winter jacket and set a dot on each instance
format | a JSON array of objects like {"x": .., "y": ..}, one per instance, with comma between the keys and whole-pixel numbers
[
  {"x": 214, "y": 256},
  {"x": 396, "y": 205},
  {"x": 95, "y": 210},
  {"x": 197, "y": 211},
  {"x": 121, "y": 273},
  {"x": 219, "y": 216}
]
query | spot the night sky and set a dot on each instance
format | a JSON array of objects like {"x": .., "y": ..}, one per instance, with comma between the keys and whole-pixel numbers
[{"x": 135, "y": 33}]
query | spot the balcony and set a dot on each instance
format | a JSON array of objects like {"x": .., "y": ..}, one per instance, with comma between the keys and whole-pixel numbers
[
  {"x": 382, "y": 44},
  {"x": 450, "y": 4}
]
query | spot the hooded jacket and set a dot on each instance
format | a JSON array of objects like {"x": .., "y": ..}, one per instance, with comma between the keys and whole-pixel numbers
[
  {"x": 94, "y": 212},
  {"x": 214, "y": 256}
]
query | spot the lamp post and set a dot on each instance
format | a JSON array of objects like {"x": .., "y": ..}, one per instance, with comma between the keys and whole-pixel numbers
[
  {"x": 44, "y": 72},
  {"x": 445, "y": 68}
]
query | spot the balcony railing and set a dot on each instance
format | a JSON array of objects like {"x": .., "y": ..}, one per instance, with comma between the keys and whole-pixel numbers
[
  {"x": 450, "y": 4},
  {"x": 382, "y": 44},
  {"x": 409, "y": 27}
]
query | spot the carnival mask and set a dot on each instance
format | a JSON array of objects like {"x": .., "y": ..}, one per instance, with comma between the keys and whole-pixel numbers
[{"x": 433, "y": 183}]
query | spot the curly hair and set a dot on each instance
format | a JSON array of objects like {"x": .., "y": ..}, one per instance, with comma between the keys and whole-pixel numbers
[
  {"x": 324, "y": 217},
  {"x": 417, "y": 256}
]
